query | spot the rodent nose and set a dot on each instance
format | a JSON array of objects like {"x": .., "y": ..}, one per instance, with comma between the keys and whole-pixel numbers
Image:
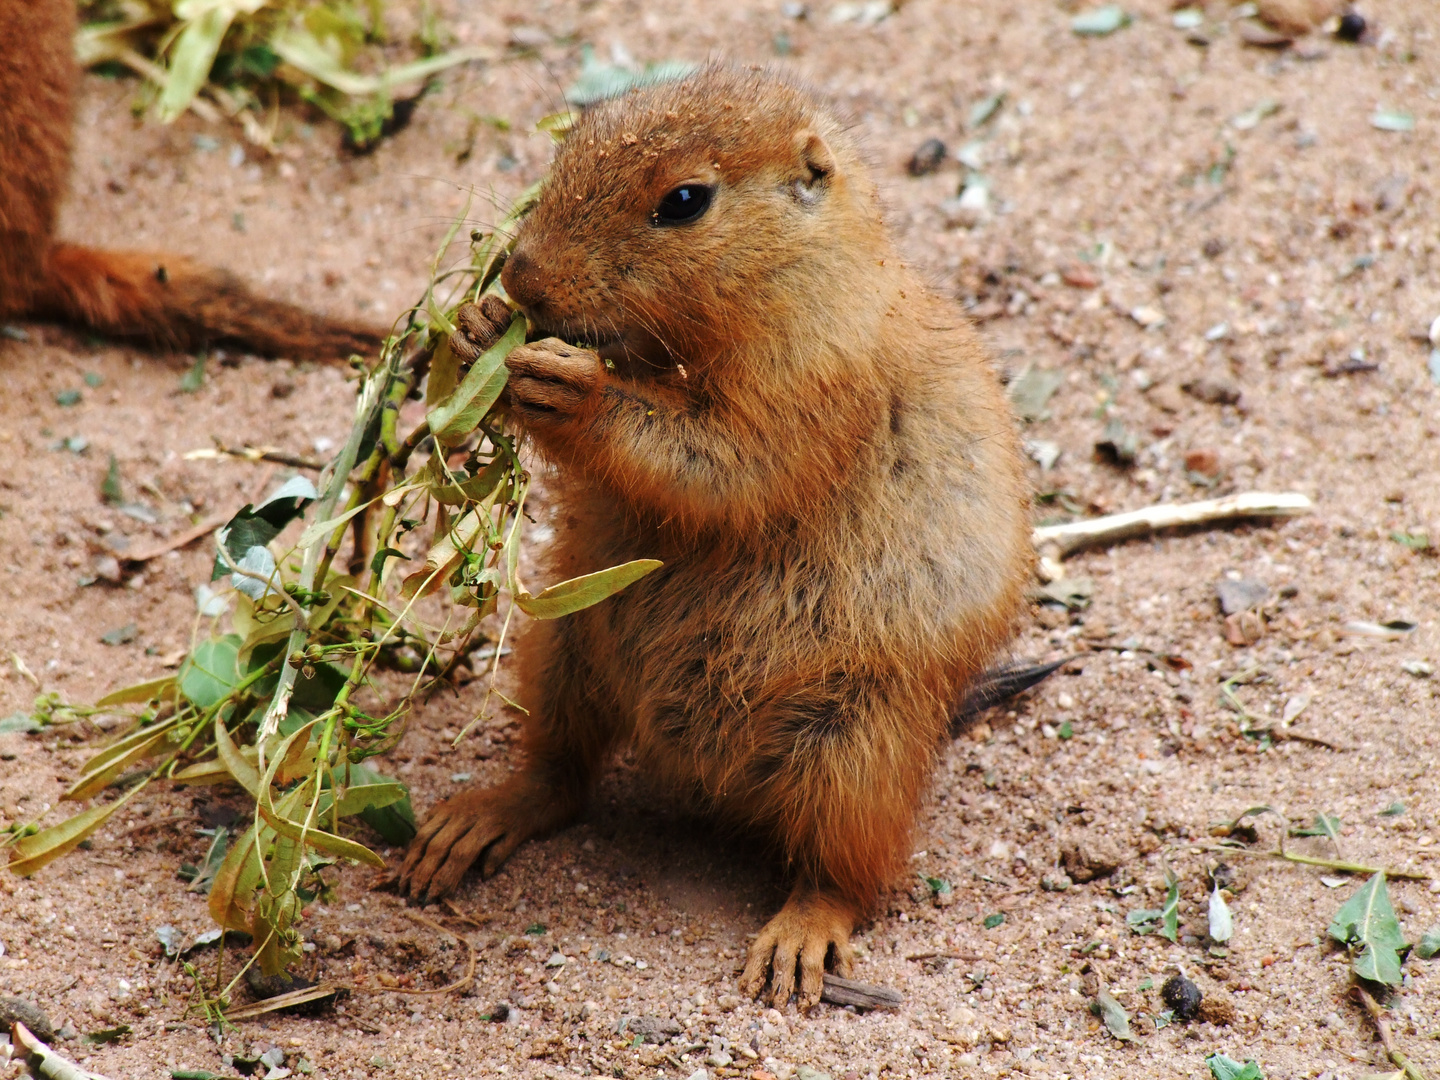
[{"x": 522, "y": 280}]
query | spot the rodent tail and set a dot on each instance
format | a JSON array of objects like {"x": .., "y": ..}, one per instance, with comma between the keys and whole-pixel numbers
[
  {"x": 1001, "y": 684},
  {"x": 173, "y": 302}
]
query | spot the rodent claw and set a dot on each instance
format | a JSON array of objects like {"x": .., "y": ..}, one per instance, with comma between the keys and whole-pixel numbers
[
  {"x": 478, "y": 326},
  {"x": 799, "y": 938}
]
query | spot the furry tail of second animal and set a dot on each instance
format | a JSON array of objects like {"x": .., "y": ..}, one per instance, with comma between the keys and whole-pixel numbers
[
  {"x": 171, "y": 301},
  {"x": 1000, "y": 684}
]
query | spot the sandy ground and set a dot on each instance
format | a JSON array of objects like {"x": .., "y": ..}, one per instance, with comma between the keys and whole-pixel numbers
[{"x": 1134, "y": 179}]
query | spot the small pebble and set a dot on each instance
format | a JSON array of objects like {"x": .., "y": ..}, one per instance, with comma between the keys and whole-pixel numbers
[
  {"x": 1352, "y": 26},
  {"x": 928, "y": 157},
  {"x": 1181, "y": 995},
  {"x": 1203, "y": 461}
]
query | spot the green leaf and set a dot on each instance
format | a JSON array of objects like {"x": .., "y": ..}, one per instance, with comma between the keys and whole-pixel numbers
[
  {"x": 994, "y": 920},
  {"x": 121, "y": 635},
  {"x": 318, "y": 838},
  {"x": 1170, "y": 913},
  {"x": 1395, "y": 809},
  {"x": 395, "y": 821},
  {"x": 1224, "y": 1068},
  {"x": 581, "y": 592},
  {"x": 458, "y": 414},
  {"x": 139, "y": 693},
  {"x": 557, "y": 124},
  {"x": 105, "y": 1035},
  {"x": 1032, "y": 390},
  {"x": 194, "y": 377},
  {"x": 1392, "y": 120},
  {"x": 1368, "y": 920},
  {"x": 66, "y": 398},
  {"x": 21, "y": 722},
  {"x": 377, "y": 564},
  {"x": 599, "y": 80},
  {"x": 1222, "y": 926},
  {"x": 1113, "y": 1015},
  {"x": 210, "y": 865},
  {"x": 232, "y": 894},
  {"x": 1325, "y": 825},
  {"x": 1101, "y": 21},
  {"x": 191, "y": 58},
  {"x": 211, "y": 671},
  {"x": 110, "y": 489},
  {"x": 1429, "y": 944},
  {"x": 256, "y": 526}
]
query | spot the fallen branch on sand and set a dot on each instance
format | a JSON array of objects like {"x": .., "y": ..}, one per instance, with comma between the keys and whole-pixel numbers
[{"x": 1057, "y": 541}]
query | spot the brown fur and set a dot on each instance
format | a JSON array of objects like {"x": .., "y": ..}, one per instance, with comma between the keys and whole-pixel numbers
[
  {"x": 818, "y": 450},
  {"x": 156, "y": 298}
]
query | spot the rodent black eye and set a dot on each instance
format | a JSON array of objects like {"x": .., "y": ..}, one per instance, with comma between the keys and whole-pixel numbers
[{"x": 683, "y": 205}]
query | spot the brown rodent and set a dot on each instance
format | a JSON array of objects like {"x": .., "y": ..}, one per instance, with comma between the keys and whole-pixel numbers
[
  {"x": 815, "y": 445},
  {"x": 157, "y": 298}
]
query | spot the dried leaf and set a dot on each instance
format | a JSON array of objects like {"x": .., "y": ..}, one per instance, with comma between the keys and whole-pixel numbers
[
  {"x": 1221, "y": 924},
  {"x": 33, "y": 852},
  {"x": 139, "y": 693}
]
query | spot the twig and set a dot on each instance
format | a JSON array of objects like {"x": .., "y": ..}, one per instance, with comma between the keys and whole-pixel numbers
[
  {"x": 255, "y": 453},
  {"x": 1325, "y": 864},
  {"x": 969, "y": 958},
  {"x": 303, "y": 996},
  {"x": 478, "y": 922},
  {"x": 176, "y": 542},
  {"x": 1063, "y": 540},
  {"x": 1382, "y": 1025},
  {"x": 838, "y": 991}
]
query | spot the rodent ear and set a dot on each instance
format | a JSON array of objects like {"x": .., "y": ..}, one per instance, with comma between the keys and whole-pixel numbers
[{"x": 818, "y": 163}]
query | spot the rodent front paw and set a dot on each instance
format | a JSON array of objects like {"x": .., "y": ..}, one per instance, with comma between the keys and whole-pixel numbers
[
  {"x": 550, "y": 380},
  {"x": 478, "y": 326}
]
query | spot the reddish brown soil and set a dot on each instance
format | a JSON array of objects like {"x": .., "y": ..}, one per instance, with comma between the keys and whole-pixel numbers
[{"x": 1315, "y": 244}]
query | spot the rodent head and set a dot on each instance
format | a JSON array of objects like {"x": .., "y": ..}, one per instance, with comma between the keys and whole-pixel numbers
[{"x": 682, "y": 221}]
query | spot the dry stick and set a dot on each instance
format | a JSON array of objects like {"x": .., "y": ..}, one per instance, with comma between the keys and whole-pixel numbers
[
  {"x": 1382, "y": 1025},
  {"x": 176, "y": 542},
  {"x": 1062, "y": 540},
  {"x": 967, "y": 957},
  {"x": 1324, "y": 864},
  {"x": 477, "y": 921},
  {"x": 326, "y": 989},
  {"x": 838, "y": 991},
  {"x": 256, "y": 453}
]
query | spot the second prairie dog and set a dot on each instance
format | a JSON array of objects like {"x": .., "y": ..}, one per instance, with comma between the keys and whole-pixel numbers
[{"x": 767, "y": 400}]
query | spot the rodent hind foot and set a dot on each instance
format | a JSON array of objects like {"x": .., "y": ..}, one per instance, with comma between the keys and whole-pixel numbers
[{"x": 813, "y": 926}]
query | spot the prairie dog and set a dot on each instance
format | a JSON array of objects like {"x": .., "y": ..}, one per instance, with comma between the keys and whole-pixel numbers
[{"x": 738, "y": 376}]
